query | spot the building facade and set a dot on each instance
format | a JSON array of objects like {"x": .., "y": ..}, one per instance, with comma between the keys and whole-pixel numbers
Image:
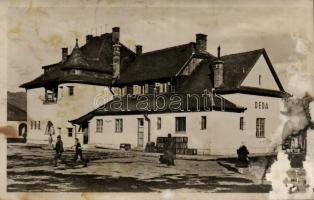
[
  {"x": 243, "y": 91},
  {"x": 105, "y": 94}
]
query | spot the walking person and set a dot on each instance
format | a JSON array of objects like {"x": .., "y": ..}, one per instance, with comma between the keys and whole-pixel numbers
[
  {"x": 169, "y": 151},
  {"x": 59, "y": 150},
  {"x": 78, "y": 152}
]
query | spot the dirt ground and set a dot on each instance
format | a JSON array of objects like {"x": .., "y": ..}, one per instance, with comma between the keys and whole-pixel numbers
[{"x": 30, "y": 169}]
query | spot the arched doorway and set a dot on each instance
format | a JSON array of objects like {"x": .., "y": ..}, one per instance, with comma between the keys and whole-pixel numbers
[{"x": 23, "y": 130}]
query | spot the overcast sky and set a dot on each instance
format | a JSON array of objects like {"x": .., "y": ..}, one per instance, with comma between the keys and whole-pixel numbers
[{"x": 37, "y": 34}]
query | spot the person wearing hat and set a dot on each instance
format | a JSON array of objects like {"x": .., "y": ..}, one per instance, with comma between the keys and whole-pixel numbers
[{"x": 59, "y": 150}]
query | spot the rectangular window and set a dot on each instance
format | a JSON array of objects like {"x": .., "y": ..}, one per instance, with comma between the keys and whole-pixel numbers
[
  {"x": 168, "y": 87},
  {"x": 151, "y": 89},
  {"x": 99, "y": 125},
  {"x": 38, "y": 124},
  {"x": 203, "y": 123},
  {"x": 159, "y": 123},
  {"x": 143, "y": 89},
  {"x": 35, "y": 124},
  {"x": 180, "y": 124},
  {"x": 241, "y": 123},
  {"x": 129, "y": 90},
  {"x": 78, "y": 72},
  {"x": 135, "y": 90},
  {"x": 260, "y": 127},
  {"x": 70, "y": 132},
  {"x": 61, "y": 91},
  {"x": 146, "y": 88},
  {"x": 124, "y": 91},
  {"x": 259, "y": 79},
  {"x": 161, "y": 88},
  {"x": 157, "y": 88},
  {"x": 71, "y": 90},
  {"x": 173, "y": 88},
  {"x": 119, "y": 126}
]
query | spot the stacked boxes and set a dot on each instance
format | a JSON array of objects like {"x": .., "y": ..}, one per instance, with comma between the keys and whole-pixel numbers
[{"x": 181, "y": 144}]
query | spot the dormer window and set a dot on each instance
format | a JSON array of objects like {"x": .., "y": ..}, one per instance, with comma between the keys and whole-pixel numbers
[
  {"x": 163, "y": 87},
  {"x": 137, "y": 90},
  {"x": 157, "y": 88},
  {"x": 146, "y": 88},
  {"x": 117, "y": 92},
  {"x": 77, "y": 72},
  {"x": 124, "y": 91},
  {"x": 259, "y": 79}
]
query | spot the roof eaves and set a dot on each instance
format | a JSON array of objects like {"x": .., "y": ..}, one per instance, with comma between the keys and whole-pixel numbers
[
  {"x": 271, "y": 67},
  {"x": 253, "y": 91}
]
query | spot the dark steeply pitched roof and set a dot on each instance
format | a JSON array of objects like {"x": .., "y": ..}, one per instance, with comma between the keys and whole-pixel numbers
[
  {"x": 131, "y": 105},
  {"x": 55, "y": 79},
  {"x": 95, "y": 55},
  {"x": 16, "y": 106},
  {"x": 17, "y": 99},
  {"x": 156, "y": 65},
  {"x": 238, "y": 66},
  {"x": 199, "y": 80},
  {"x": 76, "y": 58}
]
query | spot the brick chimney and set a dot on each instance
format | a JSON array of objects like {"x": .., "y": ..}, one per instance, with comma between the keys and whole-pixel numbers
[
  {"x": 115, "y": 35},
  {"x": 88, "y": 38},
  {"x": 116, "y": 61},
  {"x": 64, "y": 54},
  {"x": 138, "y": 49},
  {"x": 218, "y": 70},
  {"x": 201, "y": 42}
]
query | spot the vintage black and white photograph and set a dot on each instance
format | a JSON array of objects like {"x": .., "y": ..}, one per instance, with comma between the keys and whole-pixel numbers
[{"x": 166, "y": 96}]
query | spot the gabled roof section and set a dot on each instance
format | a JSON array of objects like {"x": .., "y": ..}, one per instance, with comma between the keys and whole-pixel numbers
[
  {"x": 237, "y": 66},
  {"x": 156, "y": 65}
]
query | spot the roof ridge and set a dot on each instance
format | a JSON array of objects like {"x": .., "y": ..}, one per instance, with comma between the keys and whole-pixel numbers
[
  {"x": 126, "y": 47},
  {"x": 245, "y": 52},
  {"x": 167, "y": 48}
]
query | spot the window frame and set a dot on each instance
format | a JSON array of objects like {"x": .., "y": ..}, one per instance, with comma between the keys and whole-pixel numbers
[
  {"x": 180, "y": 128},
  {"x": 158, "y": 123},
  {"x": 99, "y": 127},
  {"x": 203, "y": 122},
  {"x": 70, "y": 132},
  {"x": 241, "y": 125},
  {"x": 260, "y": 127},
  {"x": 118, "y": 125},
  {"x": 259, "y": 79},
  {"x": 70, "y": 90}
]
